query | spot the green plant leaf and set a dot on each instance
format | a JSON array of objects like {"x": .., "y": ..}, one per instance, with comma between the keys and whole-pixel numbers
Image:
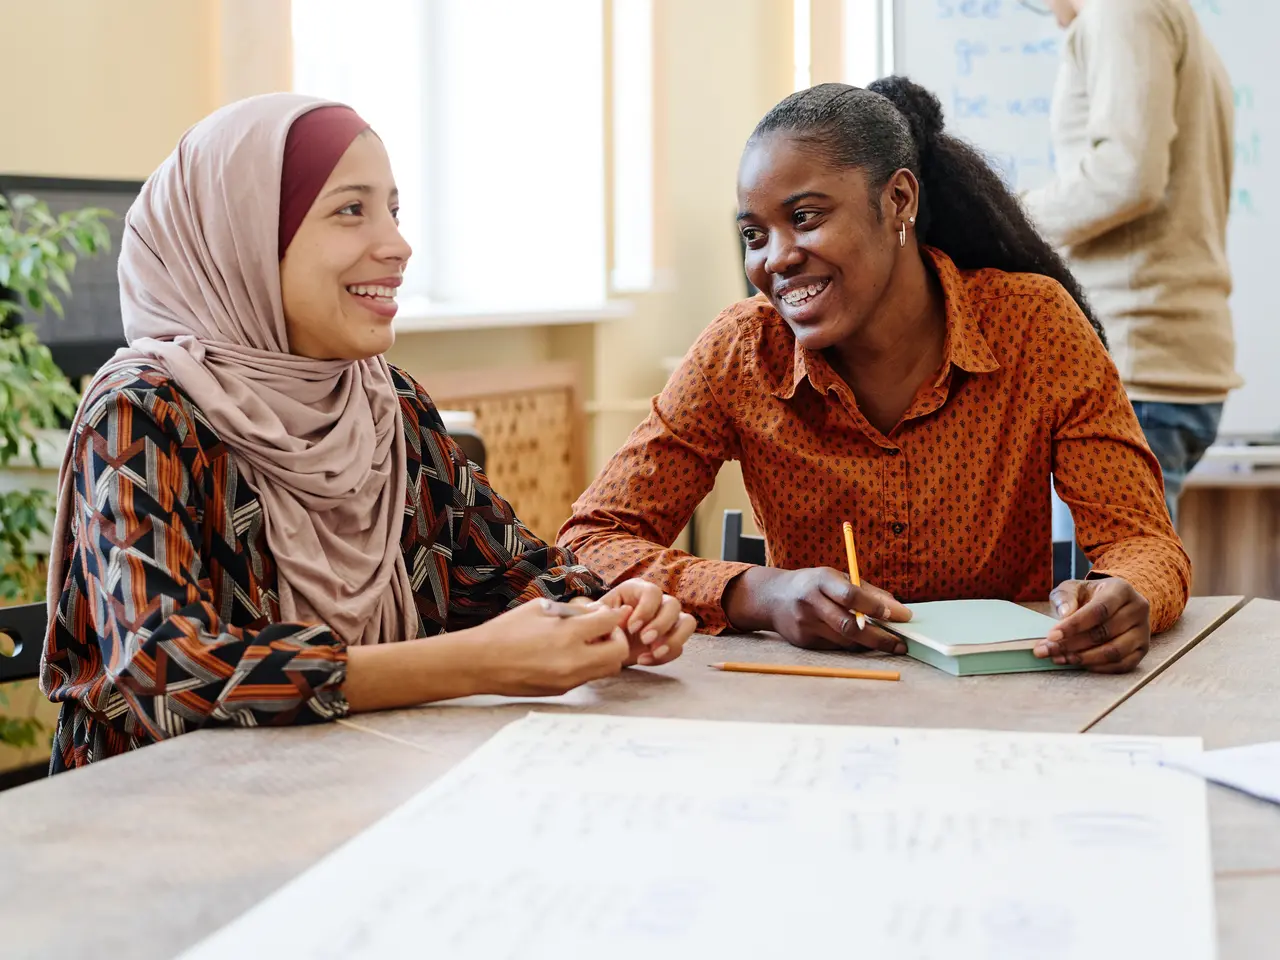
[{"x": 59, "y": 277}]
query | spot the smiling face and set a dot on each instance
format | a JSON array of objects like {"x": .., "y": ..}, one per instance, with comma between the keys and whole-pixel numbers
[
  {"x": 821, "y": 245},
  {"x": 340, "y": 273}
]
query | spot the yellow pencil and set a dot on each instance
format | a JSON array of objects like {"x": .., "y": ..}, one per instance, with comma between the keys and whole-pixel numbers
[
  {"x": 795, "y": 670},
  {"x": 853, "y": 566}
]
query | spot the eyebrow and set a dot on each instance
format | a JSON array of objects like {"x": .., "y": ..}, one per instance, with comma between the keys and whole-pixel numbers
[
  {"x": 359, "y": 188},
  {"x": 349, "y": 188},
  {"x": 804, "y": 195},
  {"x": 790, "y": 201}
]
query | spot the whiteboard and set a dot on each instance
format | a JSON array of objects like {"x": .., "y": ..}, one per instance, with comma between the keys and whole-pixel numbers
[{"x": 993, "y": 64}]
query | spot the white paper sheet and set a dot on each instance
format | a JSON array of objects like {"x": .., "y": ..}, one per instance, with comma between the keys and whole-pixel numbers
[
  {"x": 571, "y": 836},
  {"x": 1254, "y": 769}
]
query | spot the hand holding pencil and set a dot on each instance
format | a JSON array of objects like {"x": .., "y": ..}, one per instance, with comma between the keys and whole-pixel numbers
[{"x": 816, "y": 608}]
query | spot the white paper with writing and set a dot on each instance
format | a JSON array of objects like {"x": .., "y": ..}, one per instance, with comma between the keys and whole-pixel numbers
[{"x": 606, "y": 837}]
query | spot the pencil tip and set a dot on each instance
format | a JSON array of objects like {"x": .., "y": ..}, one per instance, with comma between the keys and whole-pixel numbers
[{"x": 716, "y": 666}]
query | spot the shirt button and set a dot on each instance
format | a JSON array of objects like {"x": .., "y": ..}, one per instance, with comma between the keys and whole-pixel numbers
[{"x": 898, "y": 527}]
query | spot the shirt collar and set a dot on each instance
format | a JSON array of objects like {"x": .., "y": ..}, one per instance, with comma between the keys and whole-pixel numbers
[{"x": 965, "y": 346}]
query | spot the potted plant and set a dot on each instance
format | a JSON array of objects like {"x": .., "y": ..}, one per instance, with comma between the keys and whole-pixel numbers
[{"x": 38, "y": 253}]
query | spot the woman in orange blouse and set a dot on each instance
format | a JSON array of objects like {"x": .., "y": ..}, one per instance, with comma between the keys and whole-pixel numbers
[{"x": 919, "y": 362}]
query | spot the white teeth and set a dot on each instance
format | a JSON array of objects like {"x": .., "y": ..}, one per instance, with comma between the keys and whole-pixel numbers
[
  {"x": 366, "y": 290},
  {"x": 801, "y": 294}
]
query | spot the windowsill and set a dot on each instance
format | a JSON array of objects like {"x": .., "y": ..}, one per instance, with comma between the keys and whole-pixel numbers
[{"x": 417, "y": 316}]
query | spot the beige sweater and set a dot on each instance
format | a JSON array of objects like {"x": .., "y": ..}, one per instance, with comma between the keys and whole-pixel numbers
[{"x": 1142, "y": 121}]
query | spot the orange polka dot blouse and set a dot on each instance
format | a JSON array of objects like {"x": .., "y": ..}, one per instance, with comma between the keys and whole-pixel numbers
[{"x": 952, "y": 503}]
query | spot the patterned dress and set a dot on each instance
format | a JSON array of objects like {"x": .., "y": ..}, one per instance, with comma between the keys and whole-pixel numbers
[{"x": 169, "y": 618}]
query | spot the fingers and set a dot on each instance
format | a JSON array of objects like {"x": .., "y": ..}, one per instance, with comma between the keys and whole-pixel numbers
[
  {"x": 867, "y": 599},
  {"x": 1116, "y": 656},
  {"x": 1122, "y": 666},
  {"x": 874, "y": 638},
  {"x": 1110, "y": 632},
  {"x": 671, "y": 644},
  {"x": 606, "y": 658},
  {"x": 1065, "y": 597},
  {"x": 588, "y": 623},
  {"x": 646, "y": 600},
  {"x": 662, "y": 622},
  {"x": 841, "y": 628},
  {"x": 1104, "y": 616}
]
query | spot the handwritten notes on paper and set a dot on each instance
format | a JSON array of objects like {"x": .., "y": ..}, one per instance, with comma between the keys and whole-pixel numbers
[{"x": 588, "y": 836}]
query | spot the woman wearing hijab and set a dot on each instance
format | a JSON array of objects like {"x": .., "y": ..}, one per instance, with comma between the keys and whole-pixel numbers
[{"x": 260, "y": 520}]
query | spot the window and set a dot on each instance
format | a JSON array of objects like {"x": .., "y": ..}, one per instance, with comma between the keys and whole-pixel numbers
[
  {"x": 494, "y": 117},
  {"x": 865, "y": 23}
]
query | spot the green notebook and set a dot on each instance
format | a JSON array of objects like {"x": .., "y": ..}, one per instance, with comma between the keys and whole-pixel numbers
[{"x": 970, "y": 637}]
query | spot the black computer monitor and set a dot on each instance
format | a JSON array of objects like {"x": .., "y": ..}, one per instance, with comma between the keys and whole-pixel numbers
[{"x": 90, "y": 330}]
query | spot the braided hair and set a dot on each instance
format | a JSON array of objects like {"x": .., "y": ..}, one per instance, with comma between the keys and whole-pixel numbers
[{"x": 965, "y": 210}]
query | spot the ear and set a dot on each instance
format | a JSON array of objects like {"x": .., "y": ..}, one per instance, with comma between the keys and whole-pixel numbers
[{"x": 902, "y": 197}]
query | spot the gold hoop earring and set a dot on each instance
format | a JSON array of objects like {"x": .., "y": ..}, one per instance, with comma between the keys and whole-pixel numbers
[{"x": 902, "y": 234}]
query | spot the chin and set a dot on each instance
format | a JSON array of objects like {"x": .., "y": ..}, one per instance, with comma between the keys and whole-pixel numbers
[
  {"x": 816, "y": 337},
  {"x": 375, "y": 348}
]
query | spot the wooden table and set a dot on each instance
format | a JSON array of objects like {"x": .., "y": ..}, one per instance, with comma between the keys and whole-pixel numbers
[
  {"x": 1227, "y": 690},
  {"x": 143, "y": 855},
  {"x": 1052, "y": 701}
]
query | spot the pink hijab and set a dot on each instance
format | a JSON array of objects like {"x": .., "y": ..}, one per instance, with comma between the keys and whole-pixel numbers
[{"x": 319, "y": 441}]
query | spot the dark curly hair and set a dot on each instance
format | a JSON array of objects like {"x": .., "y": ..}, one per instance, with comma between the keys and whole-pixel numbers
[{"x": 966, "y": 211}]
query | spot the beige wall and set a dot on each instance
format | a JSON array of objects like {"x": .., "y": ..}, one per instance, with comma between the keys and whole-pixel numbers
[{"x": 104, "y": 89}]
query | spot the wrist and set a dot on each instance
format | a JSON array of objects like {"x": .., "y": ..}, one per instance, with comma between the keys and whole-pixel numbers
[
  {"x": 392, "y": 675},
  {"x": 746, "y": 601}
]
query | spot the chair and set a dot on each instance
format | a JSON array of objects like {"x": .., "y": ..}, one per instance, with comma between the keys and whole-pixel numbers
[
  {"x": 470, "y": 443},
  {"x": 26, "y": 626},
  {"x": 461, "y": 425},
  {"x": 1069, "y": 561},
  {"x": 738, "y": 547}
]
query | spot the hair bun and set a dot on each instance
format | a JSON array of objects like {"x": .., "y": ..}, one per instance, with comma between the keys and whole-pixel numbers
[{"x": 921, "y": 108}]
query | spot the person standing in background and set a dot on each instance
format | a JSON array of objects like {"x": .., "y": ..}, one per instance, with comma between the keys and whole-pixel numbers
[{"x": 1142, "y": 126}]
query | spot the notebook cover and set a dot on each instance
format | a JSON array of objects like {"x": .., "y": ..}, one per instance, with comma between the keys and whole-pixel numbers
[{"x": 949, "y": 626}]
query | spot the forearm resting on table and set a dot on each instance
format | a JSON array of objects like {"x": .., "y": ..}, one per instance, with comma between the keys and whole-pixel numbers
[{"x": 391, "y": 675}]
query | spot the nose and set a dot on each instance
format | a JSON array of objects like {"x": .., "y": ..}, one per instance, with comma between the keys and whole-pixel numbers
[
  {"x": 782, "y": 255},
  {"x": 392, "y": 245}
]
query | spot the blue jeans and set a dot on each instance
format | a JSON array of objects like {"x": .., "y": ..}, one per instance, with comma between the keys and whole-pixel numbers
[{"x": 1178, "y": 434}]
